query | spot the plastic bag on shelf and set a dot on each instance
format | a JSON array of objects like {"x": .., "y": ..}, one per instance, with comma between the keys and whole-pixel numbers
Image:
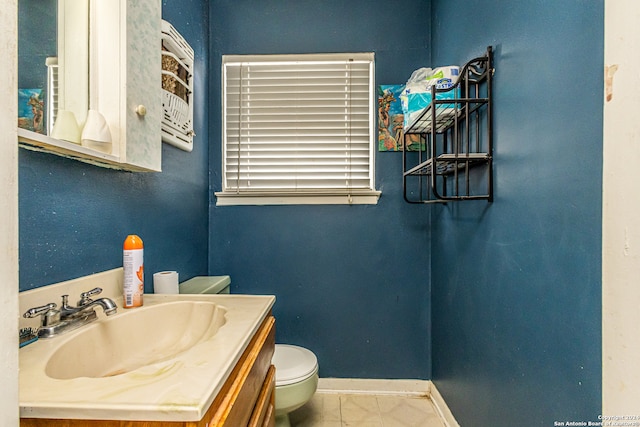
[{"x": 416, "y": 95}]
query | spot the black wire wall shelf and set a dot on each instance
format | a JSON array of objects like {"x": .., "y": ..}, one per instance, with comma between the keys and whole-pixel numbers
[{"x": 457, "y": 160}]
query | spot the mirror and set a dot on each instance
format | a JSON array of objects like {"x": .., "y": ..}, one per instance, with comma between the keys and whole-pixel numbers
[{"x": 53, "y": 62}]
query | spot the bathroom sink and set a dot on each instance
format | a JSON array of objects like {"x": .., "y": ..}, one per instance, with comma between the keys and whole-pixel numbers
[
  {"x": 165, "y": 361},
  {"x": 136, "y": 338}
]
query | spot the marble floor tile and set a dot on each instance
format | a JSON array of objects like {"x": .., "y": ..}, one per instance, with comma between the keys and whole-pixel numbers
[
  {"x": 365, "y": 410},
  {"x": 323, "y": 410},
  {"x": 407, "y": 412},
  {"x": 360, "y": 410}
]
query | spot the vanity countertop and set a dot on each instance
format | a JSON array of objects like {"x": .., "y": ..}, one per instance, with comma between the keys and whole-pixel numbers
[{"x": 178, "y": 389}]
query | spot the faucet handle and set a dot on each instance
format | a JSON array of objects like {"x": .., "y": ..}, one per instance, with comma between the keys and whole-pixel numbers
[
  {"x": 37, "y": 311},
  {"x": 85, "y": 297},
  {"x": 49, "y": 314}
]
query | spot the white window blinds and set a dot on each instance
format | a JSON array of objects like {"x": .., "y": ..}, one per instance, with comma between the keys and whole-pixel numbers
[{"x": 298, "y": 124}]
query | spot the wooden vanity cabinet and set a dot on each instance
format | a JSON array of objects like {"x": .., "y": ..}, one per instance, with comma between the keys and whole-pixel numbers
[{"x": 247, "y": 397}]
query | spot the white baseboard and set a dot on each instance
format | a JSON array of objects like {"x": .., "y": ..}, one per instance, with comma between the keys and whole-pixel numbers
[
  {"x": 371, "y": 386},
  {"x": 390, "y": 387},
  {"x": 441, "y": 407}
]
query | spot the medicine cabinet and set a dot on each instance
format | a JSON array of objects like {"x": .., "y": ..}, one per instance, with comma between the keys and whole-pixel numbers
[
  {"x": 456, "y": 162},
  {"x": 124, "y": 82}
]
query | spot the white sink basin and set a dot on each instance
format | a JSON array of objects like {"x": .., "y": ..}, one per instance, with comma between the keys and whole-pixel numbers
[
  {"x": 136, "y": 338},
  {"x": 165, "y": 361}
]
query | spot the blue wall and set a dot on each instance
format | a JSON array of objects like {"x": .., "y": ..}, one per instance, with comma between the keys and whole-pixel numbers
[
  {"x": 516, "y": 285},
  {"x": 74, "y": 217},
  {"x": 351, "y": 282},
  {"x": 510, "y": 332}
]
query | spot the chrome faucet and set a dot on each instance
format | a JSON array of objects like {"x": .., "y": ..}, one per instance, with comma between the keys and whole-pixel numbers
[
  {"x": 54, "y": 321},
  {"x": 86, "y": 303}
]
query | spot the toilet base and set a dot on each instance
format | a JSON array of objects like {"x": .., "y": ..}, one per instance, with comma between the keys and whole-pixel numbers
[
  {"x": 293, "y": 396},
  {"x": 283, "y": 420}
]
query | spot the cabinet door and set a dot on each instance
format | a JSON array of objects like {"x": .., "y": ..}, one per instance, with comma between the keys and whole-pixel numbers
[
  {"x": 143, "y": 83},
  {"x": 126, "y": 78},
  {"x": 264, "y": 411}
]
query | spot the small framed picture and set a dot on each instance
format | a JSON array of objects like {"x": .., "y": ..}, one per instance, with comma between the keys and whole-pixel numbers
[
  {"x": 391, "y": 136},
  {"x": 31, "y": 110}
]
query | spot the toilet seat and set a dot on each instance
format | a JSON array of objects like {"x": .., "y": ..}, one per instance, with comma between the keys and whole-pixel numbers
[{"x": 293, "y": 364}]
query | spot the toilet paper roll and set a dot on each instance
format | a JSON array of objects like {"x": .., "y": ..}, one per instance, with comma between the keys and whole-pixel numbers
[{"x": 165, "y": 282}]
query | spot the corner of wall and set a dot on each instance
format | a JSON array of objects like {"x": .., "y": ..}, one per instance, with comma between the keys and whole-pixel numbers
[{"x": 9, "y": 225}]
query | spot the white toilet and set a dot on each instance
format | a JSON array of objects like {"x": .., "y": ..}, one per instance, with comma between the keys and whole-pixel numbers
[
  {"x": 296, "y": 367},
  {"x": 296, "y": 379}
]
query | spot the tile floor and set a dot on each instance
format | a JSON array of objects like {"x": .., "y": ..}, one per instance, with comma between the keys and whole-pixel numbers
[{"x": 366, "y": 410}]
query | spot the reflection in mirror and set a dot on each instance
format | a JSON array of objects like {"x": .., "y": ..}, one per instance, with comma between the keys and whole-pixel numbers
[
  {"x": 37, "y": 41},
  {"x": 53, "y": 61}
]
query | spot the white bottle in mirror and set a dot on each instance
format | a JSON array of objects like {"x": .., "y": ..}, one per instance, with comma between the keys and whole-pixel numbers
[
  {"x": 66, "y": 127},
  {"x": 96, "y": 133}
]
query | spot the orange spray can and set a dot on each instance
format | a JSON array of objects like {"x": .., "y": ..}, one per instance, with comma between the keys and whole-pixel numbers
[{"x": 133, "y": 264}]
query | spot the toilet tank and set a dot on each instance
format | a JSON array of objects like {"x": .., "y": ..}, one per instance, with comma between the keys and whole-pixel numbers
[{"x": 206, "y": 285}]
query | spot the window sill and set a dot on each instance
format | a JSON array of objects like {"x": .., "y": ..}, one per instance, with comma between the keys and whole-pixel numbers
[{"x": 259, "y": 199}]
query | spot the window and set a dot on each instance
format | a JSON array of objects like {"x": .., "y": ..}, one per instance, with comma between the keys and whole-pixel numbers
[{"x": 298, "y": 129}]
